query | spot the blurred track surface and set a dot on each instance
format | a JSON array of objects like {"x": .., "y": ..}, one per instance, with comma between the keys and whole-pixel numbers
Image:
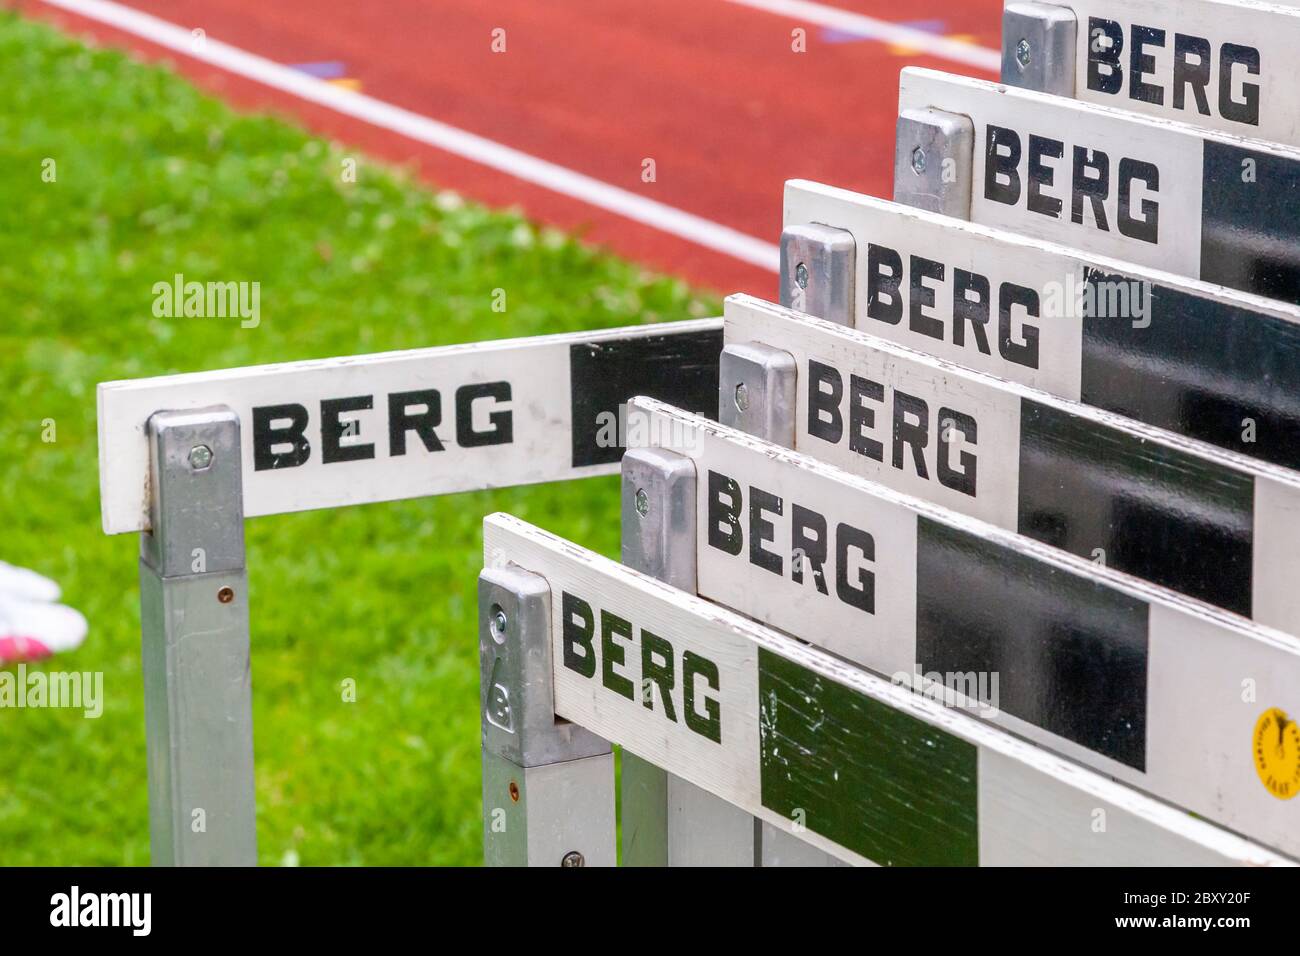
[{"x": 710, "y": 90}]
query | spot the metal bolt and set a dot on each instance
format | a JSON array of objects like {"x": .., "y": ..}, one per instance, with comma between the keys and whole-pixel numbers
[
  {"x": 1023, "y": 52},
  {"x": 642, "y": 502},
  {"x": 226, "y": 595},
  {"x": 514, "y": 791},
  {"x": 573, "y": 858},
  {"x": 801, "y": 275},
  {"x": 498, "y": 622},
  {"x": 918, "y": 160},
  {"x": 200, "y": 457},
  {"x": 742, "y": 397}
]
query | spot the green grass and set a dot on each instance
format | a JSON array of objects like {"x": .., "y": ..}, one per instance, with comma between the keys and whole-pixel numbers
[{"x": 154, "y": 178}]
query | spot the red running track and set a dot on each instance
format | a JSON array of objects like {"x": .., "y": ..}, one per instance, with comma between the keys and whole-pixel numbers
[{"x": 710, "y": 90}]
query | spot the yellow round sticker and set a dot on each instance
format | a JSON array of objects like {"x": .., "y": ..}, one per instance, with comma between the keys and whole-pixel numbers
[{"x": 1277, "y": 753}]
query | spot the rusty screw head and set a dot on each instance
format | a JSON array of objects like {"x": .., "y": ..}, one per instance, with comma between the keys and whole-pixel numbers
[
  {"x": 514, "y": 791},
  {"x": 226, "y": 595}
]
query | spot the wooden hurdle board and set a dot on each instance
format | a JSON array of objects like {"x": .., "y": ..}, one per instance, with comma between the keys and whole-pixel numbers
[
  {"x": 1203, "y": 521},
  {"x": 334, "y": 432},
  {"x": 1201, "y": 360},
  {"x": 1137, "y": 188},
  {"x": 185, "y": 458},
  {"x": 871, "y": 772},
  {"x": 1226, "y": 65},
  {"x": 1159, "y": 691}
]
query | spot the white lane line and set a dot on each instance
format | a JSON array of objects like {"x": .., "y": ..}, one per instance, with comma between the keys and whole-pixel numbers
[
  {"x": 883, "y": 30},
  {"x": 567, "y": 182}
]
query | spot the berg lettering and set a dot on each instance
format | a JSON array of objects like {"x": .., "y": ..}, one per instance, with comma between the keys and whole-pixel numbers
[
  {"x": 1090, "y": 182},
  {"x": 809, "y": 543},
  {"x": 702, "y": 713},
  {"x": 971, "y": 304},
  {"x": 911, "y": 429},
  {"x": 280, "y": 431},
  {"x": 1192, "y": 63}
]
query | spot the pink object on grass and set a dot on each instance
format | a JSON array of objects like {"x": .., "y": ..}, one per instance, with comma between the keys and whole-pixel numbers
[{"x": 15, "y": 649}]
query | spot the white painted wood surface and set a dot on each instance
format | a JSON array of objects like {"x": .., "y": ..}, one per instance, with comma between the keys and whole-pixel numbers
[
  {"x": 537, "y": 370},
  {"x": 1034, "y": 807},
  {"x": 1001, "y": 256},
  {"x": 1176, "y": 150},
  {"x": 1268, "y": 30},
  {"x": 995, "y": 405},
  {"x": 1201, "y": 662}
]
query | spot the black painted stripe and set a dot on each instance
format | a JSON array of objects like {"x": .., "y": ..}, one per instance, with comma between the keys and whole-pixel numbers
[
  {"x": 1158, "y": 513},
  {"x": 1195, "y": 366},
  {"x": 678, "y": 368},
  {"x": 1250, "y": 220},
  {"x": 1069, "y": 653},
  {"x": 873, "y": 779}
]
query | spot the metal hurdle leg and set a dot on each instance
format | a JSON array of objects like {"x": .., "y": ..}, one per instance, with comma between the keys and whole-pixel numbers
[
  {"x": 194, "y": 619},
  {"x": 667, "y": 821},
  {"x": 548, "y": 784}
]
